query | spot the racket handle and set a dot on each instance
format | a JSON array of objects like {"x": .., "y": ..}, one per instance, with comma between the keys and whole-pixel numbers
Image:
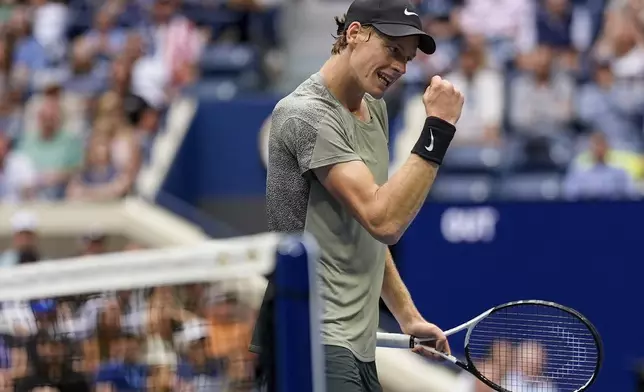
[
  {"x": 394, "y": 340},
  {"x": 440, "y": 354}
]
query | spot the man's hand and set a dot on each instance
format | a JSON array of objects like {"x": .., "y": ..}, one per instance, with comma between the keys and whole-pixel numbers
[
  {"x": 443, "y": 100},
  {"x": 423, "y": 329}
]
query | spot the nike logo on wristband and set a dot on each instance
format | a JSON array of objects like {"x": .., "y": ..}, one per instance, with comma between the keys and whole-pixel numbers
[{"x": 430, "y": 148}]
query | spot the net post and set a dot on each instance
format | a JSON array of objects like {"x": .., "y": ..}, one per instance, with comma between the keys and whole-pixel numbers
[{"x": 300, "y": 360}]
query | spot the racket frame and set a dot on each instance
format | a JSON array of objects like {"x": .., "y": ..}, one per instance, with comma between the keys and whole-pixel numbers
[{"x": 399, "y": 340}]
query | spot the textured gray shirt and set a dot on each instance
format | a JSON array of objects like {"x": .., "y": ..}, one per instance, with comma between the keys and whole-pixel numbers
[{"x": 311, "y": 129}]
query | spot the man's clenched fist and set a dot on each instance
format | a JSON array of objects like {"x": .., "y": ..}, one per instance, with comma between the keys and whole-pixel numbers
[{"x": 443, "y": 100}]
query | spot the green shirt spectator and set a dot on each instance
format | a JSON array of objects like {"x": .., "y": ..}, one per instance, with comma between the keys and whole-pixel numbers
[
  {"x": 63, "y": 151},
  {"x": 55, "y": 153}
]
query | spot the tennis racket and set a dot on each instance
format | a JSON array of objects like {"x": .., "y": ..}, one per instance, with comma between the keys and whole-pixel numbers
[{"x": 522, "y": 346}]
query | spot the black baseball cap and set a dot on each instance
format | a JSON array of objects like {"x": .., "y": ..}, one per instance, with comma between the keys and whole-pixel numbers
[{"x": 394, "y": 18}]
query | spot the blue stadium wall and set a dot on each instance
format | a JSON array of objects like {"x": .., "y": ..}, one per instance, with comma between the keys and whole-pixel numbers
[{"x": 457, "y": 260}]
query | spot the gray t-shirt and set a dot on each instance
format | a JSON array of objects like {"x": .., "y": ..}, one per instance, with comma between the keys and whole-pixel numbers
[{"x": 311, "y": 129}]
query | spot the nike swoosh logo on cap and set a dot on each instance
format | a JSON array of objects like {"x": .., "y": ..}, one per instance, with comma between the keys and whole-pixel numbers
[{"x": 409, "y": 13}]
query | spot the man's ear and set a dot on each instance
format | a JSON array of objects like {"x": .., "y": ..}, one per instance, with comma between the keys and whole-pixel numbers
[{"x": 353, "y": 32}]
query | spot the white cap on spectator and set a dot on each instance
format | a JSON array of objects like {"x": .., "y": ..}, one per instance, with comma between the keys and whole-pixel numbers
[
  {"x": 94, "y": 233},
  {"x": 193, "y": 331},
  {"x": 23, "y": 221}
]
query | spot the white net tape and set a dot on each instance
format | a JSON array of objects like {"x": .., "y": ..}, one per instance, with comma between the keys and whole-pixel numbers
[{"x": 177, "y": 319}]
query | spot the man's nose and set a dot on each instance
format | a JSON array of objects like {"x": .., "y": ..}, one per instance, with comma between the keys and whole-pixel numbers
[{"x": 400, "y": 67}]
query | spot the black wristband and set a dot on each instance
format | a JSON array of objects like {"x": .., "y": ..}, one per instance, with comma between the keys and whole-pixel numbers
[{"x": 434, "y": 140}]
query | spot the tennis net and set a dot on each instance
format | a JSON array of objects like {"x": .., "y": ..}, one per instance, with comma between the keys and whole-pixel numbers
[{"x": 175, "y": 319}]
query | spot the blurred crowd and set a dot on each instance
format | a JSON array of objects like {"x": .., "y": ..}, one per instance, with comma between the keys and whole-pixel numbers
[
  {"x": 554, "y": 97},
  {"x": 180, "y": 338},
  {"x": 85, "y": 85}
]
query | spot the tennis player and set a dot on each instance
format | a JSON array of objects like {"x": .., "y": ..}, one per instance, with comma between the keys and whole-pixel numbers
[{"x": 328, "y": 175}]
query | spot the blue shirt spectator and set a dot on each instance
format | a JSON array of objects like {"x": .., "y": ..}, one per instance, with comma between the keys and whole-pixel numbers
[
  {"x": 600, "y": 180},
  {"x": 122, "y": 376},
  {"x": 208, "y": 377},
  {"x": 614, "y": 107},
  {"x": 554, "y": 21},
  {"x": 105, "y": 38}
]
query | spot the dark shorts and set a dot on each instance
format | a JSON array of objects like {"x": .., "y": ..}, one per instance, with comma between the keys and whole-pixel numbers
[{"x": 344, "y": 373}]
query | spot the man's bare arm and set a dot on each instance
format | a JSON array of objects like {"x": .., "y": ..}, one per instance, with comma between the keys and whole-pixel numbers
[
  {"x": 387, "y": 210},
  {"x": 396, "y": 295}
]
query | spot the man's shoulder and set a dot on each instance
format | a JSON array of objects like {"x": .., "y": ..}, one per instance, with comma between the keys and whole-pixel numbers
[{"x": 310, "y": 102}]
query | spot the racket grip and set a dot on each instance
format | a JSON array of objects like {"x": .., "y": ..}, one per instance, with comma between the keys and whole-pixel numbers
[{"x": 394, "y": 340}]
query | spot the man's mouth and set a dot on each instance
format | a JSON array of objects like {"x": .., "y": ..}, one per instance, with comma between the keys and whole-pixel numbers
[{"x": 385, "y": 79}]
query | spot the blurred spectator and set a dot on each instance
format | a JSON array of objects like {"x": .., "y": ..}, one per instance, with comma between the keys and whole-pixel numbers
[
  {"x": 24, "y": 247},
  {"x": 230, "y": 329},
  {"x": 125, "y": 371},
  {"x": 173, "y": 48},
  {"x": 52, "y": 368},
  {"x": 30, "y": 58},
  {"x": 531, "y": 374},
  {"x": 198, "y": 371},
  {"x": 72, "y": 107},
  {"x": 621, "y": 44},
  {"x": 107, "y": 316},
  {"x": 11, "y": 121},
  {"x": 123, "y": 147},
  {"x": 50, "y": 21},
  {"x": 85, "y": 76},
  {"x": 494, "y": 367},
  {"x": 100, "y": 178},
  {"x": 554, "y": 22},
  {"x": 32, "y": 323},
  {"x": 17, "y": 174},
  {"x": 145, "y": 120},
  {"x": 480, "y": 122},
  {"x": 507, "y": 25},
  {"x": 612, "y": 106},
  {"x": 558, "y": 24},
  {"x": 106, "y": 39},
  {"x": 598, "y": 177},
  {"x": 56, "y": 153},
  {"x": 94, "y": 242},
  {"x": 541, "y": 114},
  {"x": 542, "y": 98}
]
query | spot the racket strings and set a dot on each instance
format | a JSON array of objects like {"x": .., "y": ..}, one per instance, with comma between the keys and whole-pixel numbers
[{"x": 534, "y": 348}]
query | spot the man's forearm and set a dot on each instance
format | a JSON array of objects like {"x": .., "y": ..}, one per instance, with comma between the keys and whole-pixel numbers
[
  {"x": 396, "y": 295},
  {"x": 404, "y": 194}
]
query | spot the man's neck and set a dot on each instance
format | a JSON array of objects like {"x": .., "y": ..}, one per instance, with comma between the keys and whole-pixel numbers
[{"x": 338, "y": 79}]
